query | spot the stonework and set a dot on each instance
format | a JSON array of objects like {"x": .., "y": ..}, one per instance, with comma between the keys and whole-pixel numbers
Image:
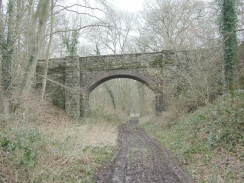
[{"x": 72, "y": 79}]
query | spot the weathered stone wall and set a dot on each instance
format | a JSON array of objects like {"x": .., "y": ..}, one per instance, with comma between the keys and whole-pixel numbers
[
  {"x": 54, "y": 92},
  {"x": 81, "y": 75}
]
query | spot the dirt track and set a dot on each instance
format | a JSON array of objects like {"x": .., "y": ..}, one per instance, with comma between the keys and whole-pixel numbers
[{"x": 140, "y": 160}]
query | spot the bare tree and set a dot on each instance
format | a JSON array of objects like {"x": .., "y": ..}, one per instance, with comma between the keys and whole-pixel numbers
[
  {"x": 240, "y": 13},
  {"x": 171, "y": 24},
  {"x": 9, "y": 32},
  {"x": 44, "y": 80},
  {"x": 114, "y": 37},
  {"x": 23, "y": 31},
  {"x": 8, "y": 47}
]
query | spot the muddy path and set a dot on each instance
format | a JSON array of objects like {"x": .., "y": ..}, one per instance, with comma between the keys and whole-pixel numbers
[{"x": 140, "y": 159}]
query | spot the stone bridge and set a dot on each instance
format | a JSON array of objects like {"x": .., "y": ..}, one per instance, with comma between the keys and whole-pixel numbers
[{"x": 72, "y": 79}]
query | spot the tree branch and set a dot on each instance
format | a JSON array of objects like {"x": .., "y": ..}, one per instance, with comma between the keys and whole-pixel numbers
[
  {"x": 78, "y": 29},
  {"x": 78, "y": 5}
]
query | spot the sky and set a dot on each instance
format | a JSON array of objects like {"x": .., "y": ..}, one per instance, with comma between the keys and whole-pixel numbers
[
  {"x": 129, "y": 5},
  {"x": 132, "y": 5}
]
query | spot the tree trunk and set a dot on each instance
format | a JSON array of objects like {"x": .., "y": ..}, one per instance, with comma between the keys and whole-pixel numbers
[
  {"x": 7, "y": 46},
  {"x": 44, "y": 80},
  {"x": 228, "y": 27},
  {"x": 42, "y": 13},
  {"x": 111, "y": 94}
]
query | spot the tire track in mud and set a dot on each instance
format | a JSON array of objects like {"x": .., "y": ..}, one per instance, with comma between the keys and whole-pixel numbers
[{"x": 140, "y": 159}]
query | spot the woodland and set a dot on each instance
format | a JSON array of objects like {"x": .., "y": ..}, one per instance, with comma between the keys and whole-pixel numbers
[{"x": 203, "y": 125}]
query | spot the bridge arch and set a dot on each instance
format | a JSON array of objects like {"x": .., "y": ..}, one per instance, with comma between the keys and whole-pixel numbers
[
  {"x": 102, "y": 77},
  {"x": 113, "y": 74}
]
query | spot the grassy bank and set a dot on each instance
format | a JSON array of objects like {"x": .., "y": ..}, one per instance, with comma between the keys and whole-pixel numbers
[
  {"x": 54, "y": 148},
  {"x": 209, "y": 143}
]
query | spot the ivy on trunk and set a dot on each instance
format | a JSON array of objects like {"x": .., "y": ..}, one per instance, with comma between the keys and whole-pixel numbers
[{"x": 228, "y": 25}]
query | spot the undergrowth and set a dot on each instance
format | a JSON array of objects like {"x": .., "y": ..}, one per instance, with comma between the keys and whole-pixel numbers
[
  {"x": 52, "y": 149},
  {"x": 209, "y": 143}
]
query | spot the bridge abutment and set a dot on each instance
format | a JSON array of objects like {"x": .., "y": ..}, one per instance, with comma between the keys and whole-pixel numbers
[
  {"x": 72, "y": 87},
  {"x": 84, "y": 105},
  {"x": 160, "y": 104}
]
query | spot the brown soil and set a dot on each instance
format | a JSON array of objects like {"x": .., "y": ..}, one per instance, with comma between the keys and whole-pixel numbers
[{"x": 141, "y": 159}]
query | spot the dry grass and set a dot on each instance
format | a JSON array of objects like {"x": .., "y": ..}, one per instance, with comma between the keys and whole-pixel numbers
[
  {"x": 221, "y": 166},
  {"x": 102, "y": 134},
  {"x": 41, "y": 144}
]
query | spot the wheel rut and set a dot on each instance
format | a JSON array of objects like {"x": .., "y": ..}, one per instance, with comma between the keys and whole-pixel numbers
[{"x": 140, "y": 159}]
